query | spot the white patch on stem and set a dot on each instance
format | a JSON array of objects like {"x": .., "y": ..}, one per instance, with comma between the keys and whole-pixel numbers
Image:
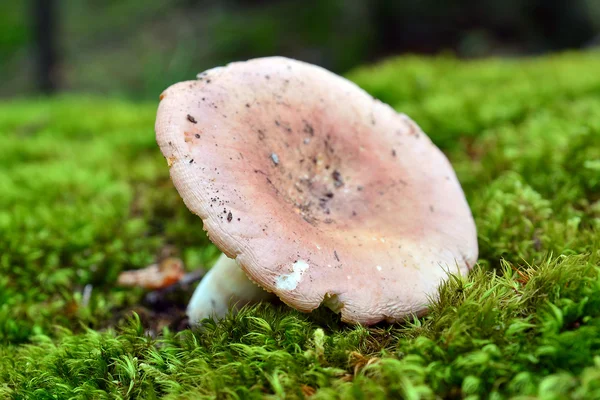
[{"x": 290, "y": 281}]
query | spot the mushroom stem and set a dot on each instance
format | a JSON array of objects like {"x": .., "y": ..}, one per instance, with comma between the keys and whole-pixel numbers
[{"x": 224, "y": 285}]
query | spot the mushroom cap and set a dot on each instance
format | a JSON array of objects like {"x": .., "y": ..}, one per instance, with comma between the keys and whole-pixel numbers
[{"x": 319, "y": 191}]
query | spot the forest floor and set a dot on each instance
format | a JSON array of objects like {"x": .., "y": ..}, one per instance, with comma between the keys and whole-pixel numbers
[{"x": 85, "y": 194}]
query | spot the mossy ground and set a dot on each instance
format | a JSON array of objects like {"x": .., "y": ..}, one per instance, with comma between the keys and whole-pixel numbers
[{"x": 85, "y": 194}]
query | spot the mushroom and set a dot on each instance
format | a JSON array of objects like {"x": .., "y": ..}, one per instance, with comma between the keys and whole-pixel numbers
[{"x": 313, "y": 191}]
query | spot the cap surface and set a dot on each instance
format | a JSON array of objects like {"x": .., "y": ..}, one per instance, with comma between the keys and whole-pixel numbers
[{"x": 319, "y": 191}]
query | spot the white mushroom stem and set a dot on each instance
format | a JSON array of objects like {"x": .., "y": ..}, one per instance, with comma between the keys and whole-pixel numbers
[{"x": 224, "y": 286}]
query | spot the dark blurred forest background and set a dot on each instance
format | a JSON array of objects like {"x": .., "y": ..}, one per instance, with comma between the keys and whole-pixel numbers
[{"x": 136, "y": 48}]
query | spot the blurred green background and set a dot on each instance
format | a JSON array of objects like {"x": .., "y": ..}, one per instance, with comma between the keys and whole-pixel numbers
[{"x": 137, "y": 48}]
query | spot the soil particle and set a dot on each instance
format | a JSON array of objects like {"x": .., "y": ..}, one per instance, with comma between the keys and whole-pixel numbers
[
  {"x": 191, "y": 119},
  {"x": 308, "y": 128},
  {"x": 337, "y": 179}
]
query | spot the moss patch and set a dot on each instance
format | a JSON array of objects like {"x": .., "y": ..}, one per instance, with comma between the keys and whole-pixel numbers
[{"x": 85, "y": 194}]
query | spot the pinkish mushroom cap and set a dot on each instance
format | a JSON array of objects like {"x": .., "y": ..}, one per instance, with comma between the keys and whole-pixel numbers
[{"x": 318, "y": 191}]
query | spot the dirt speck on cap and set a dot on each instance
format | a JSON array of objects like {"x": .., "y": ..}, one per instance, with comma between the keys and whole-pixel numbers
[
  {"x": 337, "y": 179},
  {"x": 275, "y": 158}
]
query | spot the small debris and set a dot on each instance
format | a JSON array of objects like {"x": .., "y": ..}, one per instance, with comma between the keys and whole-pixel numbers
[
  {"x": 86, "y": 295},
  {"x": 337, "y": 179},
  {"x": 335, "y": 254},
  {"x": 191, "y": 119},
  {"x": 155, "y": 276},
  {"x": 308, "y": 391},
  {"x": 174, "y": 296},
  {"x": 229, "y": 217},
  {"x": 308, "y": 128},
  {"x": 275, "y": 158}
]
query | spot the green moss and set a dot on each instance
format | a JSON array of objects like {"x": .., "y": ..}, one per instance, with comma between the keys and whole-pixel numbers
[{"x": 85, "y": 194}]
